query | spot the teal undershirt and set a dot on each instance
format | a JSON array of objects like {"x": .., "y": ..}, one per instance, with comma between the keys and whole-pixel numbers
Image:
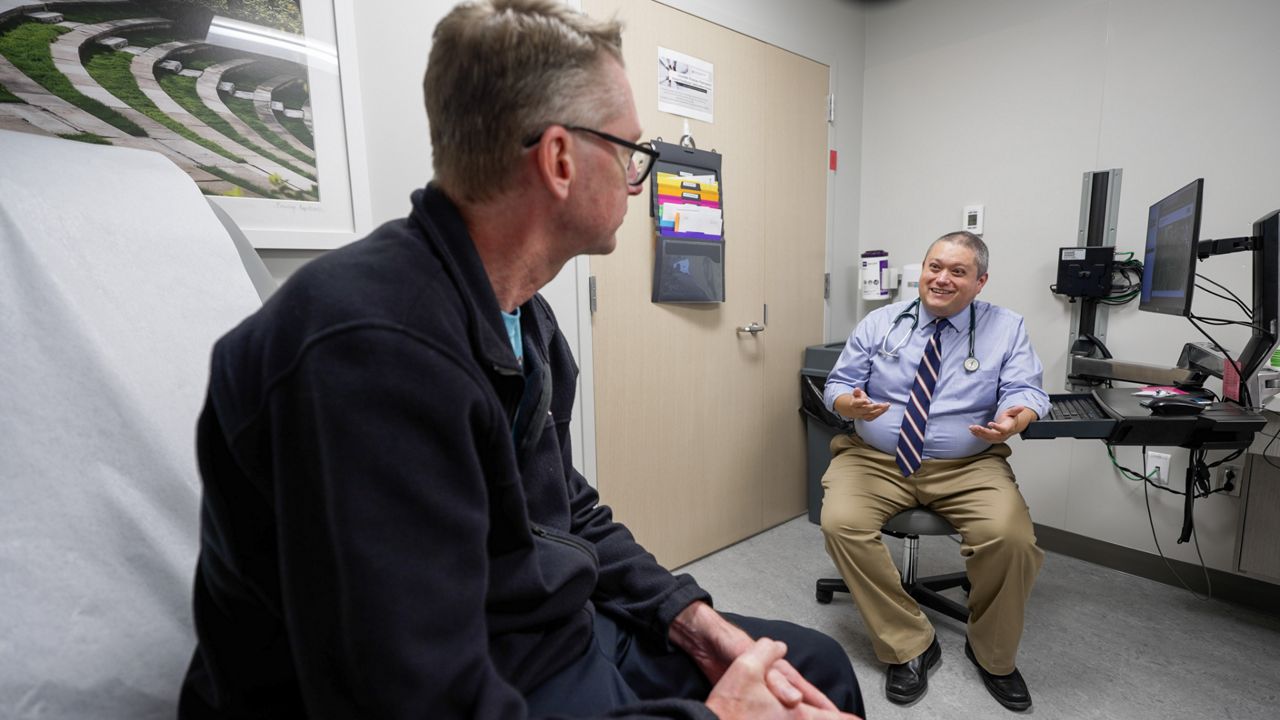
[{"x": 513, "y": 333}]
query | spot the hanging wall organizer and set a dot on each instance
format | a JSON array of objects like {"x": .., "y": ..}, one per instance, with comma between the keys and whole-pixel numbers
[{"x": 688, "y": 221}]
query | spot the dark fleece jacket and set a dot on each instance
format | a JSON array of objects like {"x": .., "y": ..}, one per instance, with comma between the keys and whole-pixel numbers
[{"x": 391, "y": 525}]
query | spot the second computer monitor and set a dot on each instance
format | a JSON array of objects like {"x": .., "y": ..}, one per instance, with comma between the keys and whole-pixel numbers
[{"x": 1169, "y": 265}]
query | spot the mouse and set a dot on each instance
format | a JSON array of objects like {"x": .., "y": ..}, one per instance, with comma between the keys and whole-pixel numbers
[{"x": 1174, "y": 405}]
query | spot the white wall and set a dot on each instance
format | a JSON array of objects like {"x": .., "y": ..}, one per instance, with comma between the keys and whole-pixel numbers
[
  {"x": 1007, "y": 103},
  {"x": 999, "y": 102}
]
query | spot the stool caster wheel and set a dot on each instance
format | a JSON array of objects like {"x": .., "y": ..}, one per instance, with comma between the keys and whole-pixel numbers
[{"x": 823, "y": 596}]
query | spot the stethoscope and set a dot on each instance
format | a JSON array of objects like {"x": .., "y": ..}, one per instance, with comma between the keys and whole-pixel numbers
[{"x": 912, "y": 313}]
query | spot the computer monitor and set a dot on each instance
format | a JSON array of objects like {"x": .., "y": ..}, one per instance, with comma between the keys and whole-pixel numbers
[{"x": 1169, "y": 265}]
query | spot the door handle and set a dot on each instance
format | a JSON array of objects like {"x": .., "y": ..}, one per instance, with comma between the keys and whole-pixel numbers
[{"x": 754, "y": 328}]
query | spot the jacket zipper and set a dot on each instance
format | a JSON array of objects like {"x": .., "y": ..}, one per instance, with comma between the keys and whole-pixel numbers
[{"x": 566, "y": 540}]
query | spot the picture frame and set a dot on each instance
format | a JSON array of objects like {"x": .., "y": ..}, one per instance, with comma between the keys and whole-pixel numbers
[
  {"x": 278, "y": 145},
  {"x": 342, "y": 212}
]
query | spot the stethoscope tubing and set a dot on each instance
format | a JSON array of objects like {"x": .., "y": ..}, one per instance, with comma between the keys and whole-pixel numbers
[{"x": 912, "y": 313}]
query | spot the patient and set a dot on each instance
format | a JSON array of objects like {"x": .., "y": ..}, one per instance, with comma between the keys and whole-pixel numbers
[{"x": 391, "y": 526}]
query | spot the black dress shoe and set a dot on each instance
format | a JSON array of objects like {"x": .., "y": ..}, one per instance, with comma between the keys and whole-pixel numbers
[
  {"x": 906, "y": 682},
  {"x": 1008, "y": 690}
]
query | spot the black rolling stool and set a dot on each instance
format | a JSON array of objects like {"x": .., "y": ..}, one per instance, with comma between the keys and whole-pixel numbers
[{"x": 909, "y": 525}]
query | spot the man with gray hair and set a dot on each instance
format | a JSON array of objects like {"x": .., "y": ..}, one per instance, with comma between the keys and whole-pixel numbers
[
  {"x": 935, "y": 387},
  {"x": 391, "y": 524}
]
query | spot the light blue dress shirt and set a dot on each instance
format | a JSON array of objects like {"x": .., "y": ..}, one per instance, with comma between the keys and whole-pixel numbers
[
  {"x": 512, "y": 321},
  {"x": 1010, "y": 374}
]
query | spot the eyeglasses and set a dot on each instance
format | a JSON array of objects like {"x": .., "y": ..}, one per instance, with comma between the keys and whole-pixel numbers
[{"x": 642, "y": 155}]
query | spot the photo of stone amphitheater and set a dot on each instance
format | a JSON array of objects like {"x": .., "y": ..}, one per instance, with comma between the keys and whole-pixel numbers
[{"x": 150, "y": 74}]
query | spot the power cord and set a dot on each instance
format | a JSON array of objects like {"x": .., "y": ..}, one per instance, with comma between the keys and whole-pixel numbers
[
  {"x": 1146, "y": 478},
  {"x": 1146, "y": 496}
]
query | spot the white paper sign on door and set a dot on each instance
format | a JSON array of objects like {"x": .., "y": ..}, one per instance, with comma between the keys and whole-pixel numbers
[{"x": 686, "y": 85}]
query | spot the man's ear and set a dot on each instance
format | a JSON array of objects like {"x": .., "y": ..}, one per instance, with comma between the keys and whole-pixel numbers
[{"x": 554, "y": 161}]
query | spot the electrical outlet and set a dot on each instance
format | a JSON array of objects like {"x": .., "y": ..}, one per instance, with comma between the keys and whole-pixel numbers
[
  {"x": 1232, "y": 473},
  {"x": 1158, "y": 463}
]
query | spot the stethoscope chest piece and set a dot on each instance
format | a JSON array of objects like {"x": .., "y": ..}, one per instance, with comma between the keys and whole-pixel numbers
[{"x": 971, "y": 364}]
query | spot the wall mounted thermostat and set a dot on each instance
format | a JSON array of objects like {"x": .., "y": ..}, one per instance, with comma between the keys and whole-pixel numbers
[{"x": 973, "y": 219}]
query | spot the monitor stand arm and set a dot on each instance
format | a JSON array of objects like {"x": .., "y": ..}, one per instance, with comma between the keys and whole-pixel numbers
[
  {"x": 1092, "y": 368},
  {"x": 1199, "y": 361},
  {"x": 1264, "y": 245}
]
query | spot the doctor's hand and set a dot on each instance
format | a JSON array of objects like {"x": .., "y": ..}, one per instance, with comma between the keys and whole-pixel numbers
[
  {"x": 857, "y": 406},
  {"x": 1006, "y": 425}
]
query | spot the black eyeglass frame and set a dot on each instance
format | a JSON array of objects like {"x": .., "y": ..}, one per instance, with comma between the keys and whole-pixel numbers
[{"x": 644, "y": 149}]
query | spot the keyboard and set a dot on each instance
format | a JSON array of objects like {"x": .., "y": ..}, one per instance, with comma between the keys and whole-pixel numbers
[
  {"x": 1075, "y": 408},
  {"x": 1077, "y": 415}
]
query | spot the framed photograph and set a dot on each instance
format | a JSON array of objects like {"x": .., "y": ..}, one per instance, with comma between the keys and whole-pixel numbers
[
  {"x": 338, "y": 212},
  {"x": 256, "y": 100}
]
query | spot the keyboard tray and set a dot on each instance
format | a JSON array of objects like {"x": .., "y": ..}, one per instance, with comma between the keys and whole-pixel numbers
[{"x": 1101, "y": 427}]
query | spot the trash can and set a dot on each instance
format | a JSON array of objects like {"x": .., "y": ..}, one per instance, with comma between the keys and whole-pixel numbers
[{"x": 821, "y": 425}]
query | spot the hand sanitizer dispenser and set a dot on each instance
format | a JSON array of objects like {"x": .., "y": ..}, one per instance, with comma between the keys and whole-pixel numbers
[{"x": 875, "y": 275}]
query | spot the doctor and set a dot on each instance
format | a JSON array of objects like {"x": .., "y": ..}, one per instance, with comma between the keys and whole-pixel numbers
[{"x": 935, "y": 387}]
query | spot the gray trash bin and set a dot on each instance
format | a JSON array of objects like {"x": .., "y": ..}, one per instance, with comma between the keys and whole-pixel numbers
[{"x": 821, "y": 425}]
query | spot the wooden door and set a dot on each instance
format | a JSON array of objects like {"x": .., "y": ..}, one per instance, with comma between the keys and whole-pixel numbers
[{"x": 698, "y": 442}]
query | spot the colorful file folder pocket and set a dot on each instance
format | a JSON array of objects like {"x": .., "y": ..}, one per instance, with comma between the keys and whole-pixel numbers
[{"x": 689, "y": 225}]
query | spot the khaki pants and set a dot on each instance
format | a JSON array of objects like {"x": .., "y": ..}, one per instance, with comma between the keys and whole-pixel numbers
[{"x": 978, "y": 495}]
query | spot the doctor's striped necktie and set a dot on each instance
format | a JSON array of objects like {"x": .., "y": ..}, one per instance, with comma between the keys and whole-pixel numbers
[{"x": 911, "y": 436}]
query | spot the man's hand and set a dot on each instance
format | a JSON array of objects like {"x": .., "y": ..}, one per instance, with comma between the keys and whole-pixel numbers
[
  {"x": 715, "y": 644},
  {"x": 747, "y": 692},
  {"x": 857, "y": 406},
  {"x": 1010, "y": 422}
]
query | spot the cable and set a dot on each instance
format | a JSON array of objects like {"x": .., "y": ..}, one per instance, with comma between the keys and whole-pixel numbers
[
  {"x": 1118, "y": 299},
  {"x": 1244, "y": 388},
  {"x": 1267, "y": 457},
  {"x": 1238, "y": 304},
  {"x": 1160, "y": 551},
  {"x": 1125, "y": 292},
  {"x": 1145, "y": 477},
  {"x": 1247, "y": 310},
  {"x": 1224, "y": 321},
  {"x": 1097, "y": 342},
  {"x": 1208, "y": 583}
]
